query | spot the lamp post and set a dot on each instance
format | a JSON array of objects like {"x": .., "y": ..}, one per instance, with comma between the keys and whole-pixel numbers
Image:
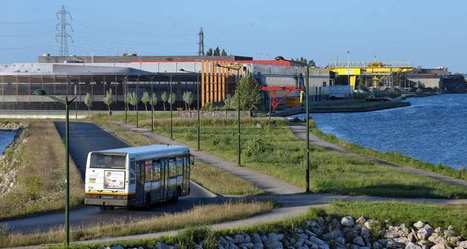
[
  {"x": 238, "y": 109},
  {"x": 67, "y": 102},
  {"x": 197, "y": 105},
  {"x": 307, "y": 113}
]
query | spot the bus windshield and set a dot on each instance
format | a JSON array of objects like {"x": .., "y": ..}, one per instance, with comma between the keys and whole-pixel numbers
[{"x": 107, "y": 161}]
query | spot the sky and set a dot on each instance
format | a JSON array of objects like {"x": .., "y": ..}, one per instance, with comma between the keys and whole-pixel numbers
[{"x": 427, "y": 33}]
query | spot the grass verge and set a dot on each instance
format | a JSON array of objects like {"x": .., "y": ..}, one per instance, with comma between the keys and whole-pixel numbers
[
  {"x": 394, "y": 212},
  {"x": 38, "y": 157},
  {"x": 273, "y": 150},
  {"x": 393, "y": 157},
  {"x": 221, "y": 182},
  {"x": 198, "y": 216}
]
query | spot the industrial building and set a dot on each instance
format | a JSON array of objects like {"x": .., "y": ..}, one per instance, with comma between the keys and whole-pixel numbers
[{"x": 79, "y": 75}]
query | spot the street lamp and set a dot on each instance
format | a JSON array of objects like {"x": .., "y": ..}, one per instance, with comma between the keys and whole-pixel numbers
[
  {"x": 170, "y": 103},
  {"x": 197, "y": 103},
  {"x": 67, "y": 102},
  {"x": 307, "y": 111},
  {"x": 238, "y": 107}
]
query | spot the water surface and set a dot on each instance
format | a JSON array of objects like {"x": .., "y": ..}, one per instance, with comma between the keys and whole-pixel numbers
[
  {"x": 433, "y": 129},
  {"x": 6, "y": 138}
]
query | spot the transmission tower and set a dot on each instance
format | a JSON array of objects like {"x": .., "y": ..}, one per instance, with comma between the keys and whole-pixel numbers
[
  {"x": 62, "y": 36},
  {"x": 201, "y": 42}
]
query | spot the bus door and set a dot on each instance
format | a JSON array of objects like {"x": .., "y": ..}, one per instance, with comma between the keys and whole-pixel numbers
[
  {"x": 139, "y": 167},
  {"x": 164, "y": 179},
  {"x": 186, "y": 175}
]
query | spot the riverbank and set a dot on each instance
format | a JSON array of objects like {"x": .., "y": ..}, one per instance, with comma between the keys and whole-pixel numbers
[
  {"x": 272, "y": 149},
  {"x": 35, "y": 165},
  {"x": 339, "y": 225},
  {"x": 344, "y": 106}
]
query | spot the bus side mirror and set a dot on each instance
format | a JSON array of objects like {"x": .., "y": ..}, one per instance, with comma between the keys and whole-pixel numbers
[{"x": 192, "y": 160}]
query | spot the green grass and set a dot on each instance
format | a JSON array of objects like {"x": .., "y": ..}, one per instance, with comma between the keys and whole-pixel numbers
[
  {"x": 221, "y": 182},
  {"x": 214, "y": 179},
  {"x": 197, "y": 216},
  {"x": 275, "y": 151},
  {"x": 395, "y": 212},
  {"x": 394, "y": 157},
  {"x": 38, "y": 157},
  {"x": 407, "y": 213}
]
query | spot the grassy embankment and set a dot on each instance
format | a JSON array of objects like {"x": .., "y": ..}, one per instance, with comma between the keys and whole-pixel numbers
[
  {"x": 212, "y": 178},
  {"x": 38, "y": 157},
  {"x": 198, "y": 216},
  {"x": 394, "y": 212},
  {"x": 393, "y": 157},
  {"x": 275, "y": 151}
]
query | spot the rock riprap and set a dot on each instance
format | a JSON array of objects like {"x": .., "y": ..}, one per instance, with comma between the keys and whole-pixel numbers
[{"x": 333, "y": 233}]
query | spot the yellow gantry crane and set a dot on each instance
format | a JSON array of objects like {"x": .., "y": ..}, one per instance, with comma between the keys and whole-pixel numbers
[{"x": 373, "y": 74}]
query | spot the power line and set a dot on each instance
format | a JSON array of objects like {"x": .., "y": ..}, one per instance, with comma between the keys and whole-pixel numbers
[{"x": 62, "y": 36}]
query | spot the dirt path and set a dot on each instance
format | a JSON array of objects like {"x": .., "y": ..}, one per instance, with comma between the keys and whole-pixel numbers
[
  {"x": 266, "y": 183},
  {"x": 300, "y": 132}
]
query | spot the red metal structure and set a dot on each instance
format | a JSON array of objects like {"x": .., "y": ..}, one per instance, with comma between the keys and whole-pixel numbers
[{"x": 275, "y": 101}]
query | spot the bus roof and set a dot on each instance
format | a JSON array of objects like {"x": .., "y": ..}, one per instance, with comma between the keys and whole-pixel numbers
[{"x": 149, "y": 151}]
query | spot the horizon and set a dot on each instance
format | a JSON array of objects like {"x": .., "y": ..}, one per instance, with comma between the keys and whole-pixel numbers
[{"x": 416, "y": 34}]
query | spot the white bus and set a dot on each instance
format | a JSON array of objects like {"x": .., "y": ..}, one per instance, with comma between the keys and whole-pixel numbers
[{"x": 137, "y": 176}]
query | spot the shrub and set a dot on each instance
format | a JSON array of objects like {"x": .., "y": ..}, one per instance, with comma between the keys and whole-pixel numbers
[{"x": 255, "y": 147}]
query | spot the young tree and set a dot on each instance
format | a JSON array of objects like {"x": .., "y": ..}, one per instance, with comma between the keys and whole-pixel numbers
[
  {"x": 209, "y": 52},
  {"x": 108, "y": 100},
  {"x": 134, "y": 101},
  {"x": 164, "y": 98},
  {"x": 223, "y": 53},
  {"x": 171, "y": 99},
  {"x": 153, "y": 101},
  {"x": 228, "y": 102},
  {"x": 187, "y": 99},
  {"x": 88, "y": 101},
  {"x": 145, "y": 99},
  {"x": 249, "y": 93}
]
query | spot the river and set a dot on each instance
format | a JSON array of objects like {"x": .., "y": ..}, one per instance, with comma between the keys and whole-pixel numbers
[
  {"x": 6, "y": 138},
  {"x": 432, "y": 129}
]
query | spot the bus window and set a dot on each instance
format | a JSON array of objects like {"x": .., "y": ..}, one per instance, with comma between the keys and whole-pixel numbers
[
  {"x": 148, "y": 171},
  {"x": 156, "y": 165},
  {"x": 172, "y": 168},
  {"x": 107, "y": 161},
  {"x": 180, "y": 162}
]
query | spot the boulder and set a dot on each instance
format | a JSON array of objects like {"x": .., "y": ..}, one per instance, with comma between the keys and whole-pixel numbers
[
  {"x": 347, "y": 221},
  {"x": 412, "y": 245},
  {"x": 419, "y": 224}
]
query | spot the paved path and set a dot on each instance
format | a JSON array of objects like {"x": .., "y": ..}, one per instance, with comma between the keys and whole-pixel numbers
[
  {"x": 300, "y": 132},
  {"x": 86, "y": 137},
  {"x": 268, "y": 184}
]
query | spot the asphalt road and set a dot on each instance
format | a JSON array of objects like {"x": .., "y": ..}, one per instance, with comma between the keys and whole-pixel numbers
[{"x": 86, "y": 137}]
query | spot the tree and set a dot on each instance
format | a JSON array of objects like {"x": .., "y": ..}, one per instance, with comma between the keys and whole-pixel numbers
[
  {"x": 171, "y": 99},
  {"x": 153, "y": 101},
  {"x": 249, "y": 93},
  {"x": 88, "y": 101},
  {"x": 108, "y": 100},
  {"x": 164, "y": 98},
  {"x": 145, "y": 99},
  {"x": 223, "y": 53},
  {"x": 134, "y": 101},
  {"x": 217, "y": 51},
  {"x": 209, "y": 52},
  {"x": 228, "y": 102},
  {"x": 188, "y": 99}
]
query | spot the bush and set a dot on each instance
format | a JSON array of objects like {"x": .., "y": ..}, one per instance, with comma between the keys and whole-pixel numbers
[{"x": 256, "y": 147}]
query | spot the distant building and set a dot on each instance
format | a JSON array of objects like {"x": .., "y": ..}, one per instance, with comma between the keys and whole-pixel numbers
[{"x": 79, "y": 75}]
